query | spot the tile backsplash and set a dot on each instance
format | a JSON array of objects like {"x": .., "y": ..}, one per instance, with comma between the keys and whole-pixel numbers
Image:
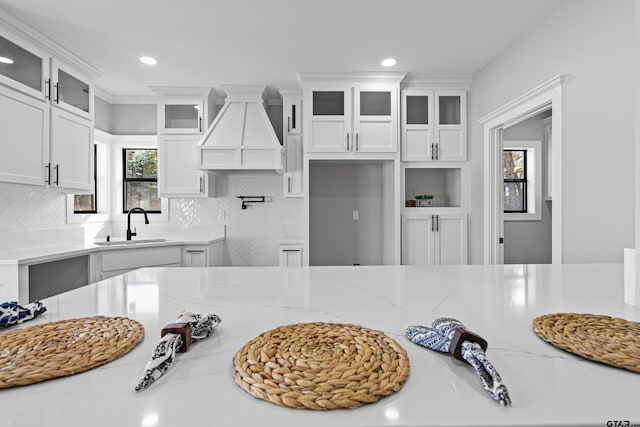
[{"x": 252, "y": 233}]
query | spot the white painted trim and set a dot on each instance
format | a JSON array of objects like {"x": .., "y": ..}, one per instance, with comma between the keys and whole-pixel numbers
[
  {"x": 328, "y": 77},
  {"x": 181, "y": 91},
  {"x": 125, "y": 99},
  {"x": 548, "y": 94}
]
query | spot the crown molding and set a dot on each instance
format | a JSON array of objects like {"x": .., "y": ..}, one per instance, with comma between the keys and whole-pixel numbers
[
  {"x": 33, "y": 36},
  {"x": 420, "y": 82},
  {"x": 125, "y": 99},
  {"x": 181, "y": 91},
  {"x": 368, "y": 76}
]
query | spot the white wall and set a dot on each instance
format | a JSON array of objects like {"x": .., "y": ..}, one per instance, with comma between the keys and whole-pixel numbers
[
  {"x": 529, "y": 242},
  {"x": 591, "y": 41},
  {"x": 135, "y": 119}
]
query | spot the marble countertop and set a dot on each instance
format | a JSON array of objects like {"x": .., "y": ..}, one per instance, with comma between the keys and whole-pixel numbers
[
  {"x": 547, "y": 386},
  {"x": 65, "y": 249}
]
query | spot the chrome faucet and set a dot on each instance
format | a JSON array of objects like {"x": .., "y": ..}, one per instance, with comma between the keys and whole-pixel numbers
[{"x": 134, "y": 210}]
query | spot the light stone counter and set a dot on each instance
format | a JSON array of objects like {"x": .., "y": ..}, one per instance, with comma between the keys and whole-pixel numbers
[{"x": 547, "y": 386}]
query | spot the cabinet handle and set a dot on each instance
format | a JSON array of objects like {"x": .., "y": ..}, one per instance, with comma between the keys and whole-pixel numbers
[
  {"x": 194, "y": 251},
  {"x": 437, "y": 222},
  {"x": 437, "y": 151},
  {"x": 291, "y": 250},
  {"x": 432, "y": 223},
  {"x": 57, "y": 100},
  {"x": 57, "y": 168},
  {"x": 202, "y": 184},
  {"x": 47, "y": 90},
  {"x": 433, "y": 150},
  {"x": 288, "y": 124},
  {"x": 357, "y": 142},
  {"x": 289, "y": 184},
  {"x": 48, "y": 168},
  {"x": 200, "y": 123},
  {"x": 348, "y": 149}
]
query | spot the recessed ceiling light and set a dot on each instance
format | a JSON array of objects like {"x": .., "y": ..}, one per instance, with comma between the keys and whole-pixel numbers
[
  {"x": 6, "y": 60},
  {"x": 389, "y": 62},
  {"x": 148, "y": 60}
]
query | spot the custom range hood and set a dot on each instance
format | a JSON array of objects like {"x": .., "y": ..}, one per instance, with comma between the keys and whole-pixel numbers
[{"x": 241, "y": 137}]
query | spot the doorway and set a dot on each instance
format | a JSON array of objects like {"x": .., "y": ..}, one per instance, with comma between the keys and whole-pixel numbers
[
  {"x": 547, "y": 96},
  {"x": 527, "y": 191}
]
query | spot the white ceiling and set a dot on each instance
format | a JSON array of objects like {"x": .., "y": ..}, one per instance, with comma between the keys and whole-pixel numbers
[{"x": 213, "y": 42}]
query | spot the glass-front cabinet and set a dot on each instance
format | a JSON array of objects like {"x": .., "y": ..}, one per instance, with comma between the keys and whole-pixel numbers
[
  {"x": 434, "y": 125},
  {"x": 181, "y": 116},
  {"x": 357, "y": 118},
  {"x": 23, "y": 67},
  {"x": 70, "y": 90},
  {"x": 47, "y": 110}
]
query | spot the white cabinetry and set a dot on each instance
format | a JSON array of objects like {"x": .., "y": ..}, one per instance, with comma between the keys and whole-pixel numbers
[
  {"x": 119, "y": 261},
  {"x": 352, "y": 118},
  {"x": 434, "y": 239},
  {"x": 181, "y": 120},
  {"x": 202, "y": 255},
  {"x": 47, "y": 119},
  {"x": 290, "y": 255},
  {"x": 178, "y": 177},
  {"x": 292, "y": 119},
  {"x": 181, "y": 116},
  {"x": 434, "y": 125}
]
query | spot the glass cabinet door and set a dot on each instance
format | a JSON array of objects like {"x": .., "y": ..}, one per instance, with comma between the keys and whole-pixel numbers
[
  {"x": 22, "y": 69},
  {"x": 328, "y": 103},
  {"x": 71, "y": 90},
  {"x": 181, "y": 117}
]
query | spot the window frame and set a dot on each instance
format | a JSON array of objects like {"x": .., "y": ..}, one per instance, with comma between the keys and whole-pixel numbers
[
  {"x": 534, "y": 180},
  {"x": 109, "y": 176},
  {"x": 126, "y": 180},
  {"x": 524, "y": 181}
]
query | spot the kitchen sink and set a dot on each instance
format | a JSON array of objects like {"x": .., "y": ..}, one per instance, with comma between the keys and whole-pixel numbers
[{"x": 128, "y": 242}]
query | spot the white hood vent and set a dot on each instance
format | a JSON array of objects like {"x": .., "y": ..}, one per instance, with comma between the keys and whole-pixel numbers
[{"x": 241, "y": 136}]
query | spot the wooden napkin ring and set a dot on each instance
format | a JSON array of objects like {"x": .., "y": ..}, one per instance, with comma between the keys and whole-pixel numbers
[
  {"x": 461, "y": 335},
  {"x": 182, "y": 328}
]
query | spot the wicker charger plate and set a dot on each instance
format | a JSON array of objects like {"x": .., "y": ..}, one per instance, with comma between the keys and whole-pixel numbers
[
  {"x": 321, "y": 366},
  {"x": 66, "y": 347},
  {"x": 605, "y": 339}
]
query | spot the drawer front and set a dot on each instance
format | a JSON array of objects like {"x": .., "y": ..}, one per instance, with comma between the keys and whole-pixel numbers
[{"x": 136, "y": 258}]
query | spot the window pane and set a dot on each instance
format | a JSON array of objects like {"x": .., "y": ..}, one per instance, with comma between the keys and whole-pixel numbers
[
  {"x": 515, "y": 197},
  {"x": 141, "y": 164},
  {"x": 513, "y": 163},
  {"x": 84, "y": 203},
  {"x": 142, "y": 195}
]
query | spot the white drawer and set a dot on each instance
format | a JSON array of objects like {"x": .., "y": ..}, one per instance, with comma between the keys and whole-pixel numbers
[{"x": 141, "y": 257}]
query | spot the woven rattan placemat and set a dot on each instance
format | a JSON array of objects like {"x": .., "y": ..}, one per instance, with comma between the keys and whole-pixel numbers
[
  {"x": 65, "y": 347},
  {"x": 605, "y": 339},
  {"x": 321, "y": 366}
]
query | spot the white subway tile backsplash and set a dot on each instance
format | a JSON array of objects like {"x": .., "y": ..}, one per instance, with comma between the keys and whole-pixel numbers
[{"x": 252, "y": 233}]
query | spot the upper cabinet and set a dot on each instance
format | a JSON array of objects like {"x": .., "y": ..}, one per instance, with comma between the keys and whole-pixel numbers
[
  {"x": 292, "y": 142},
  {"x": 357, "y": 118},
  {"x": 434, "y": 125},
  {"x": 47, "y": 118},
  {"x": 70, "y": 90},
  {"x": 352, "y": 115},
  {"x": 181, "y": 116}
]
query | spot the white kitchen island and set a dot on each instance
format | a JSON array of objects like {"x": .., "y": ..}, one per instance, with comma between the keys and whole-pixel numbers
[{"x": 547, "y": 386}]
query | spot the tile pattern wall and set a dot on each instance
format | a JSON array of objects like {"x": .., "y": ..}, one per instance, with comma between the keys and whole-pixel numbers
[
  {"x": 25, "y": 207},
  {"x": 252, "y": 233}
]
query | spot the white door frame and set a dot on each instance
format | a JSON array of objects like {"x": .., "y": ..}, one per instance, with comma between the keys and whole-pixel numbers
[{"x": 547, "y": 95}]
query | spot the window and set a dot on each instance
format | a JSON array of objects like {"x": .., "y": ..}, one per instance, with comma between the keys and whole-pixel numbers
[
  {"x": 88, "y": 203},
  {"x": 522, "y": 175},
  {"x": 140, "y": 180},
  {"x": 514, "y": 166}
]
